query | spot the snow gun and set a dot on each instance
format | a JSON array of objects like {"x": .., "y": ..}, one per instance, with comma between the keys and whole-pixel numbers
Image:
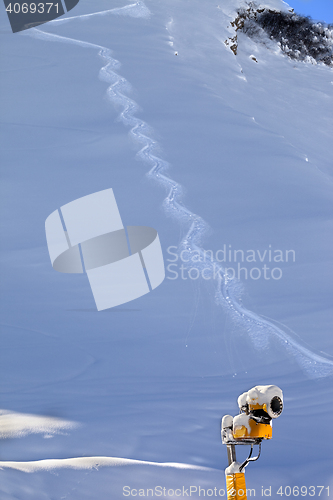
[{"x": 257, "y": 408}]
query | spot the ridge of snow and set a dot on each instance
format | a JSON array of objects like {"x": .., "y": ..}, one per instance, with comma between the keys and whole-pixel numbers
[
  {"x": 14, "y": 424},
  {"x": 91, "y": 463}
]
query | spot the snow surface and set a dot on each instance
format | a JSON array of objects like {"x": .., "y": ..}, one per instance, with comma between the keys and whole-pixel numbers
[
  {"x": 14, "y": 424},
  {"x": 247, "y": 146}
]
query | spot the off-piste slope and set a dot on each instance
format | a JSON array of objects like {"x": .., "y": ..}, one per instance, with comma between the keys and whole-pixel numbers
[{"x": 242, "y": 162}]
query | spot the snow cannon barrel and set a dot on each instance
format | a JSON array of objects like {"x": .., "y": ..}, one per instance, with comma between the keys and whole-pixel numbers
[
  {"x": 262, "y": 398},
  {"x": 257, "y": 407}
]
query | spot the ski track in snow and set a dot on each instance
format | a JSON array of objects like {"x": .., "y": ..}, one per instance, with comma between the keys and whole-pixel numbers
[
  {"x": 228, "y": 290},
  {"x": 92, "y": 463}
]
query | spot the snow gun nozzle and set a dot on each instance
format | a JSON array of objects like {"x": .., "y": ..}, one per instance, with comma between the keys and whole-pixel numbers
[{"x": 258, "y": 407}]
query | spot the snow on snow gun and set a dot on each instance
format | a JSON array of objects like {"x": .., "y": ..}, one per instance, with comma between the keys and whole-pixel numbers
[{"x": 257, "y": 408}]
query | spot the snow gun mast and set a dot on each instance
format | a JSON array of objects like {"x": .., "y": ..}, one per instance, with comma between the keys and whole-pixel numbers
[{"x": 257, "y": 408}]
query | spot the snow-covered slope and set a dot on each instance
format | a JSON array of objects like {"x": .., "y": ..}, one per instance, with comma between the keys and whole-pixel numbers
[{"x": 238, "y": 154}]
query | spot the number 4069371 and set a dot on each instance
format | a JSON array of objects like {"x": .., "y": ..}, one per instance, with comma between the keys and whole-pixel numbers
[
  {"x": 303, "y": 491},
  {"x": 32, "y": 8}
]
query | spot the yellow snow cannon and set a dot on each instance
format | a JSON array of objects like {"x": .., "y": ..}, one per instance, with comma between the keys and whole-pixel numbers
[{"x": 258, "y": 407}]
